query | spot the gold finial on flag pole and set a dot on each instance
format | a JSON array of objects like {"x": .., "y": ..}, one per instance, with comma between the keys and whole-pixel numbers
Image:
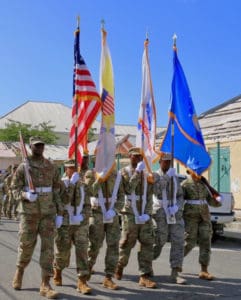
[
  {"x": 174, "y": 41},
  {"x": 147, "y": 34},
  {"x": 102, "y": 24},
  {"x": 78, "y": 21}
]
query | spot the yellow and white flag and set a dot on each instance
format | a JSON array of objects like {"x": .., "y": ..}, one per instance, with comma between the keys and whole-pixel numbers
[{"x": 106, "y": 146}]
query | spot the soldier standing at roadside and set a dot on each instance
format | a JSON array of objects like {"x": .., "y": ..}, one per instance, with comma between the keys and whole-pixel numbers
[
  {"x": 163, "y": 210},
  {"x": 73, "y": 229},
  {"x": 198, "y": 226},
  {"x": 37, "y": 212},
  {"x": 12, "y": 203},
  {"x": 2, "y": 193},
  {"x": 136, "y": 219}
]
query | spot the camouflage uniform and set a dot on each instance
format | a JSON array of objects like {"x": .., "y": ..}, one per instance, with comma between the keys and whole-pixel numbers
[
  {"x": 99, "y": 229},
  {"x": 73, "y": 234},
  {"x": 131, "y": 232},
  {"x": 37, "y": 218},
  {"x": 6, "y": 189},
  {"x": 164, "y": 230},
  {"x": 198, "y": 226},
  {"x": 2, "y": 193},
  {"x": 12, "y": 203}
]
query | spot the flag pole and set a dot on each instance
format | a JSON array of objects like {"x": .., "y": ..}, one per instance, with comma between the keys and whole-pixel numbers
[
  {"x": 172, "y": 144},
  {"x": 76, "y": 111},
  {"x": 172, "y": 127},
  {"x": 76, "y": 127}
]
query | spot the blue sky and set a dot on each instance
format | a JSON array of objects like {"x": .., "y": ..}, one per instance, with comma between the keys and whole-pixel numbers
[{"x": 36, "y": 52}]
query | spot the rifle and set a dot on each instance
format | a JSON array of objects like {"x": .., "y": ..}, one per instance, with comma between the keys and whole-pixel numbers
[
  {"x": 214, "y": 193},
  {"x": 26, "y": 164}
]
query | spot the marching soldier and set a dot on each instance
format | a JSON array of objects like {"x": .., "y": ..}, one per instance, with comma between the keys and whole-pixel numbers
[
  {"x": 37, "y": 210},
  {"x": 73, "y": 228},
  {"x": 106, "y": 202},
  {"x": 198, "y": 227},
  {"x": 136, "y": 219},
  {"x": 167, "y": 214}
]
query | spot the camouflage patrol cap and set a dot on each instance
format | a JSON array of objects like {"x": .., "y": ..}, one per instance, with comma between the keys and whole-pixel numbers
[
  {"x": 165, "y": 156},
  {"x": 135, "y": 151},
  {"x": 69, "y": 163},
  {"x": 36, "y": 140}
]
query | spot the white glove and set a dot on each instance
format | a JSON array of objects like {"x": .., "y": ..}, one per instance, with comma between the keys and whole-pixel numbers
[
  {"x": 144, "y": 218},
  {"x": 66, "y": 182},
  {"x": 172, "y": 209},
  {"x": 31, "y": 197},
  {"x": 140, "y": 166},
  {"x": 77, "y": 219},
  {"x": 171, "y": 172},
  {"x": 101, "y": 174},
  {"x": 58, "y": 221},
  {"x": 110, "y": 214},
  {"x": 74, "y": 178},
  {"x": 219, "y": 199}
]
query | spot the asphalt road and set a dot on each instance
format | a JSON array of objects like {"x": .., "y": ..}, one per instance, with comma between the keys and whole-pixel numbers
[{"x": 225, "y": 265}]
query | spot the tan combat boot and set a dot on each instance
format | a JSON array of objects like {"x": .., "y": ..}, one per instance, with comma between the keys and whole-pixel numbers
[
  {"x": 46, "y": 289},
  {"x": 82, "y": 286},
  {"x": 109, "y": 283},
  {"x": 119, "y": 272},
  {"x": 175, "y": 278},
  {"x": 91, "y": 271},
  {"x": 204, "y": 274},
  {"x": 147, "y": 282},
  {"x": 18, "y": 278},
  {"x": 57, "y": 277}
]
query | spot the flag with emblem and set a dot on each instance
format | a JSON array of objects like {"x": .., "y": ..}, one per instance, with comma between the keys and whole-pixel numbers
[
  {"x": 146, "y": 128},
  {"x": 183, "y": 137},
  {"x": 106, "y": 146},
  {"x": 86, "y": 104}
]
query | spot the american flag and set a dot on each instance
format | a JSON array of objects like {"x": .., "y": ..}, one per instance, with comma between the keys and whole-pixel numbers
[
  {"x": 108, "y": 107},
  {"x": 86, "y": 104}
]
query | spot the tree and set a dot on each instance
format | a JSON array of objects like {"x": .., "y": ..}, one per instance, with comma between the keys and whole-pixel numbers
[{"x": 43, "y": 130}]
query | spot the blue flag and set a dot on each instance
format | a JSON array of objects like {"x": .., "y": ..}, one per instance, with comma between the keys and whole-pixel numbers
[{"x": 183, "y": 132}]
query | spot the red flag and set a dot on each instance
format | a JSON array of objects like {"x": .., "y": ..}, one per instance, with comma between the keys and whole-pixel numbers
[{"x": 86, "y": 105}]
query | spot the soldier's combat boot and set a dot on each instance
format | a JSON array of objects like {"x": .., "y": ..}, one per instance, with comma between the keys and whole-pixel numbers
[
  {"x": 147, "y": 282},
  {"x": 18, "y": 278},
  {"x": 57, "y": 277},
  {"x": 46, "y": 289},
  {"x": 119, "y": 272},
  {"x": 204, "y": 274},
  {"x": 91, "y": 271},
  {"x": 82, "y": 286},
  {"x": 176, "y": 278},
  {"x": 109, "y": 283}
]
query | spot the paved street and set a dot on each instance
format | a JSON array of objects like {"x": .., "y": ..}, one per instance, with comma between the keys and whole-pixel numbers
[{"x": 225, "y": 264}]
